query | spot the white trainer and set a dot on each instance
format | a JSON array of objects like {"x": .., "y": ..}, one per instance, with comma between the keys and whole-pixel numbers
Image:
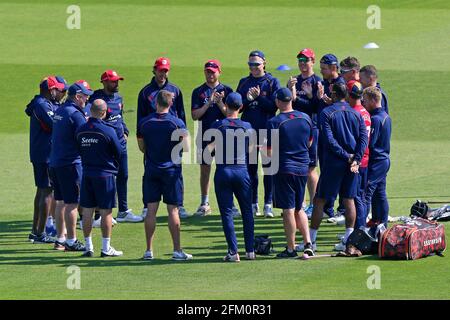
[
  {"x": 97, "y": 223},
  {"x": 203, "y": 210},
  {"x": 181, "y": 256},
  {"x": 232, "y": 257},
  {"x": 340, "y": 246},
  {"x": 111, "y": 253},
  {"x": 128, "y": 216},
  {"x": 256, "y": 212},
  {"x": 182, "y": 212},
  {"x": 301, "y": 247},
  {"x": 144, "y": 213},
  {"x": 268, "y": 213},
  {"x": 235, "y": 212},
  {"x": 148, "y": 255},
  {"x": 250, "y": 256}
]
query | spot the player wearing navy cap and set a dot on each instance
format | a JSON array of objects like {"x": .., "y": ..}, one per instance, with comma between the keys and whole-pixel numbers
[
  {"x": 41, "y": 110},
  {"x": 350, "y": 68},
  {"x": 232, "y": 145},
  {"x": 258, "y": 95},
  {"x": 207, "y": 106},
  {"x": 147, "y": 101},
  {"x": 345, "y": 138},
  {"x": 65, "y": 162},
  {"x": 295, "y": 135},
  {"x": 110, "y": 94},
  {"x": 304, "y": 88},
  {"x": 369, "y": 78},
  {"x": 159, "y": 136},
  {"x": 329, "y": 68},
  {"x": 379, "y": 161},
  {"x": 100, "y": 151}
]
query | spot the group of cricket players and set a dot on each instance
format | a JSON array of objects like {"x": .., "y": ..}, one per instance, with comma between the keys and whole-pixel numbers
[{"x": 339, "y": 122}]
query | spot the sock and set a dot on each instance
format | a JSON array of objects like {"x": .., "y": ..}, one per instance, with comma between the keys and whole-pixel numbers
[
  {"x": 204, "y": 199},
  {"x": 61, "y": 240},
  {"x": 106, "y": 244},
  {"x": 89, "y": 245},
  {"x": 313, "y": 234},
  {"x": 70, "y": 242},
  {"x": 49, "y": 223},
  {"x": 348, "y": 232}
]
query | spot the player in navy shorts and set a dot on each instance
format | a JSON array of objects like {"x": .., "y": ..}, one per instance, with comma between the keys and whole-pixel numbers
[
  {"x": 100, "y": 151},
  {"x": 295, "y": 136},
  {"x": 345, "y": 138},
  {"x": 159, "y": 136}
]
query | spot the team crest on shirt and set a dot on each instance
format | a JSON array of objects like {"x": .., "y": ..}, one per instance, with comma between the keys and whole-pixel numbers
[{"x": 292, "y": 116}]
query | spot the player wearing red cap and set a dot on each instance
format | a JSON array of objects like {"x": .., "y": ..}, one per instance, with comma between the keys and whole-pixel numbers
[
  {"x": 304, "y": 90},
  {"x": 207, "y": 107},
  {"x": 41, "y": 110},
  {"x": 114, "y": 117},
  {"x": 147, "y": 102}
]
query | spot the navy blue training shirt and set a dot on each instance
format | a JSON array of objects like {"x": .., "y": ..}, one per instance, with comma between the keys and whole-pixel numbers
[
  {"x": 343, "y": 132},
  {"x": 384, "y": 100},
  {"x": 99, "y": 148},
  {"x": 380, "y": 135},
  {"x": 302, "y": 102},
  {"x": 40, "y": 111},
  {"x": 114, "y": 114},
  {"x": 295, "y": 132},
  {"x": 201, "y": 95},
  {"x": 66, "y": 121},
  {"x": 156, "y": 130},
  {"x": 238, "y": 133},
  {"x": 258, "y": 111},
  {"x": 147, "y": 100}
]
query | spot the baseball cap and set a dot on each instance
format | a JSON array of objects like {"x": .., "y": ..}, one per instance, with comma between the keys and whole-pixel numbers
[
  {"x": 81, "y": 86},
  {"x": 234, "y": 100},
  {"x": 354, "y": 89},
  {"x": 162, "y": 63},
  {"x": 50, "y": 82},
  {"x": 110, "y": 75},
  {"x": 213, "y": 65},
  {"x": 307, "y": 52},
  {"x": 283, "y": 94},
  {"x": 63, "y": 81},
  {"x": 329, "y": 59},
  {"x": 257, "y": 53}
]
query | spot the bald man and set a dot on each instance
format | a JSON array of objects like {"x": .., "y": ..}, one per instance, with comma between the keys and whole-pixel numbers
[{"x": 100, "y": 151}]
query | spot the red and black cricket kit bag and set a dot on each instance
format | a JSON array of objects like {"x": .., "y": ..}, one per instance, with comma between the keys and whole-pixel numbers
[{"x": 415, "y": 239}]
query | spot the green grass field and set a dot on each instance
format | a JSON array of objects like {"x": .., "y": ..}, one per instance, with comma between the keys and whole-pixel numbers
[{"x": 128, "y": 36}]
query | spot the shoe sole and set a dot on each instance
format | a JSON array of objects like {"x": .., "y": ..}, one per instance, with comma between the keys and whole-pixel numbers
[
  {"x": 89, "y": 254},
  {"x": 178, "y": 259},
  {"x": 148, "y": 259},
  {"x": 124, "y": 220},
  {"x": 62, "y": 248},
  {"x": 309, "y": 252},
  {"x": 102, "y": 255}
]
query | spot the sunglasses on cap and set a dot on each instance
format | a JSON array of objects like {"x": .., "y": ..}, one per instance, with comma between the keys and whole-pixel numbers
[
  {"x": 343, "y": 71},
  {"x": 211, "y": 65},
  {"x": 304, "y": 59},
  {"x": 254, "y": 64}
]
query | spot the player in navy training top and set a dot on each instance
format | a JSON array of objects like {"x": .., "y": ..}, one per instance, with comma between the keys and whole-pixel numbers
[
  {"x": 159, "y": 136},
  {"x": 295, "y": 135},
  {"x": 369, "y": 78},
  {"x": 65, "y": 162},
  {"x": 258, "y": 97},
  {"x": 114, "y": 117},
  {"x": 304, "y": 88},
  {"x": 100, "y": 151},
  {"x": 147, "y": 102},
  {"x": 379, "y": 160},
  {"x": 329, "y": 68},
  {"x": 232, "y": 145},
  {"x": 345, "y": 138},
  {"x": 41, "y": 110},
  {"x": 207, "y": 106}
]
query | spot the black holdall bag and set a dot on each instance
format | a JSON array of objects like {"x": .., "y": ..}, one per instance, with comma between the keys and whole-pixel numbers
[
  {"x": 366, "y": 239},
  {"x": 263, "y": 244}
]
